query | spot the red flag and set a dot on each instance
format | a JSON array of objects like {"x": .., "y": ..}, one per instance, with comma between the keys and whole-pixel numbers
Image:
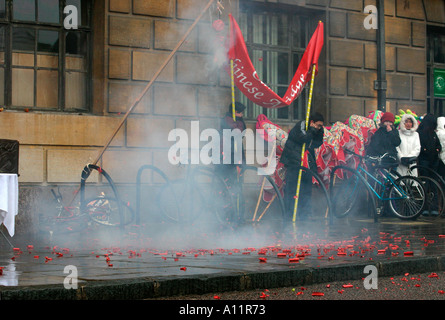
[{"x": 246, "y": 77}]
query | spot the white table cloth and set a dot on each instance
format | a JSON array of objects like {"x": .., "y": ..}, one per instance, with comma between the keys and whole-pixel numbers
[{"x": 9, "y": 200}]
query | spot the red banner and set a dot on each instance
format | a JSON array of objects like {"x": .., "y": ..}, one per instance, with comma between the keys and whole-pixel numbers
[{"x": 247, "y": 80}]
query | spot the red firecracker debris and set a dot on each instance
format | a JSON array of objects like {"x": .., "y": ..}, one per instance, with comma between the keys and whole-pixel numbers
[
  {"x": 433, "y": 275},
  {"x": 317, "y": 294},
  {"x": 263, "y": 295}
]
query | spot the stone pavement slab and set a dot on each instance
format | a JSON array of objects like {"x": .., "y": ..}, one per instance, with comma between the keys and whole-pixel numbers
[{"x": 164, "y": 260}]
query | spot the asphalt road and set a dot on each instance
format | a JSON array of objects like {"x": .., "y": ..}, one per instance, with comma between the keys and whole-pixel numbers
[{"x": 425, "y": 286}]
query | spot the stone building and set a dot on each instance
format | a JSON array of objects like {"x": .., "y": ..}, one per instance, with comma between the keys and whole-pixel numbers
[{"x": 62, "y": 100}]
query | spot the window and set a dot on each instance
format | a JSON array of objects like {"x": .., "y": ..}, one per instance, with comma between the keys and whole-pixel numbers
[
  {"x": 44, "y": 66},
  {"x": 436, "y": 70},
  {"x": 276, "y": 40}
]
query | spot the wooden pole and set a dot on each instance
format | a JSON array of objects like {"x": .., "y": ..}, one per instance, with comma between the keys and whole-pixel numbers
[
  {"x": 264, "y": 182},
  {"x": 156, "y": 75},
  {"x": 147, "y": 87}
]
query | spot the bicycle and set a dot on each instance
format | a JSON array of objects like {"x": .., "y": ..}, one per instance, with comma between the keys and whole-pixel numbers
[
  {"x": 101, "y": 209},
  {"x": 405, "y": 195},
  {"x": 433, "y": 184},
  {"x": 193, "y": 197}
]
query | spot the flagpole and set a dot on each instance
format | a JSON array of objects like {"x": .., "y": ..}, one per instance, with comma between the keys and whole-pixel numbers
[
  {"x": 308, "y": 111},
  {"x": 232, "y": 77}
]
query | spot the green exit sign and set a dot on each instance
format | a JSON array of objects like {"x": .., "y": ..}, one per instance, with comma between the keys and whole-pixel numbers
[{"x": 439, "y": 83}]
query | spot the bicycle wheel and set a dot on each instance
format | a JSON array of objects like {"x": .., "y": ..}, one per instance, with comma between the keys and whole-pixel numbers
[
  {"x": 185, "y": 200},
  {"x": 386, "y": 178},
  {"x": 106, "y": 211},
  {"x": 348, "y": 190},
  {"x": 435, "y": 197},
  {"x": 428, "y": 172},
  {"x": 407, "y": 198},
  {"x": 217, "y": 197},
  {"x": 86, "y": 172},
  {"x": 259, "y": 195}
]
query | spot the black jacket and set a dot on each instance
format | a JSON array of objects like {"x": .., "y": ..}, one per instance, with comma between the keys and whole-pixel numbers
[
  {"x": 291, "y": 156},
  {"x": 228, "y": 123},
  {"x": 430, "y": 147},
  {"x": 384, "y": 142}
]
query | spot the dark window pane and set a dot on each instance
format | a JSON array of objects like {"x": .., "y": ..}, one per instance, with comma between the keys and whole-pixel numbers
[
  {"x": 2, "y": 38},
  {"x": 23, "y": 39},
  {"x": 76, "y": 43},
  {"x": 24, "y": 10},
  {"x": 48, "y": 11},
  {"x": 2, "y": 9},
  {"x": 439, "y": 48},
  {"x": 270, "y": 29},
  {"x": 82, "y": 10},
  {"x": 48, "y": 41},
  {"x": 283, "y": 68}
]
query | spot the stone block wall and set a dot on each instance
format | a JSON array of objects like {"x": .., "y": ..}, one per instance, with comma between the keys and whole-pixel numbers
[
  {"x": 133, "y": 38},
  {"x": 352, "y": 55}
]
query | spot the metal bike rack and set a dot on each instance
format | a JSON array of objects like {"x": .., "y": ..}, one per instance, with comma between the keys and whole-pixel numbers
[{"x": 138, "y": 186}]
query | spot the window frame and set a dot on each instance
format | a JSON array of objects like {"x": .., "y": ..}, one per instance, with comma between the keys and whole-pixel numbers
[
  {"x": 297, "y": 110},
  {"x": 435, "y": 105},
  {"x": 9, "y": 23}
]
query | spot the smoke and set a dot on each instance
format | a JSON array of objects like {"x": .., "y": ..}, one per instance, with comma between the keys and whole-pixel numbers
[{"x": 196, "y": 213}]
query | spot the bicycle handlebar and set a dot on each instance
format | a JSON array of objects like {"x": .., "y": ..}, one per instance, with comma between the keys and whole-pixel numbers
[{"x": 372, "y": 158}]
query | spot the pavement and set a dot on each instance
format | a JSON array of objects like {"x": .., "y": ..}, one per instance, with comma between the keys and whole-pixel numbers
[{"x": 161, "y": 260}]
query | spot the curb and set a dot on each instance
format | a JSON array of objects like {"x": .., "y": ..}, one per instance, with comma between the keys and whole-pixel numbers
[{"x": 147, "y": 288}]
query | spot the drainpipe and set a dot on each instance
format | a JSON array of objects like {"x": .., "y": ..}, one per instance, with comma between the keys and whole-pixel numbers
[{"x": 380, "y": 84}]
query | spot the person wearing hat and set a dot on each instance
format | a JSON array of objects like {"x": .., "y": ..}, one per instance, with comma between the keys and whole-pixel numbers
[
  {"x": 291, "y": 159},
  {"x": 227, "y": 169},
  {"x": 386, "y": 139},
  {"x": 229, "y": 123},
  {"x": 429, "y": 156},
  {"x": 410, "y": 143}
]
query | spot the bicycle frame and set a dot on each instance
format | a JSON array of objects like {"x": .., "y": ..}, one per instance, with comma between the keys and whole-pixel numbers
[
  {"x": 388, "y": 178},
  {"x": 384, "y": 173}
]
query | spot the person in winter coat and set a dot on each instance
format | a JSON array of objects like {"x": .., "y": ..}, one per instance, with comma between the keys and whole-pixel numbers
[
  {"x": 229, "y": 123},
  {"x": 429, "y": 153},
  {"x": 430, "y": 144},
  {"x": 410, "y": 142},
  {"x": 291, "y": 159},
  {"x": 385, "y": 140},
  {"x": 441, "y": 135},
  {"x": 236, "y": 157}
]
